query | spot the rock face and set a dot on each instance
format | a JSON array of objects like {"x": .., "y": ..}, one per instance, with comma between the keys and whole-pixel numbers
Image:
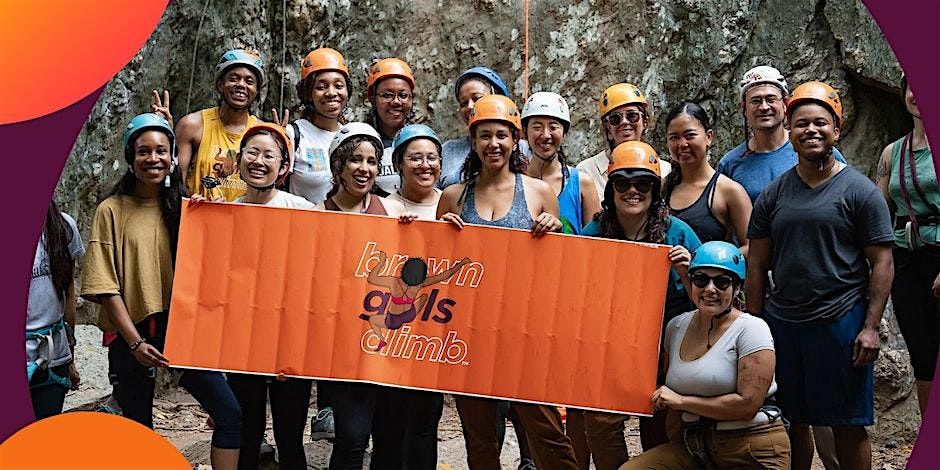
[{"x": 675, "y": 50}]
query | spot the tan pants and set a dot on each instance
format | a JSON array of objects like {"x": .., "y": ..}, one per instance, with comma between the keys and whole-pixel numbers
[
  {"x": 765, "y": 446},
  {"x": 598, "y": 435},
  {"x": 550, "y": 448}
]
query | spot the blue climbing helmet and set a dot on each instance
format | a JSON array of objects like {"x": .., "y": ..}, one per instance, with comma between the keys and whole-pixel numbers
[
  {"x": 147, "y": 122},
  {"x": 486, "y": 73},
  {"x": 414, "y": 131},
  {"x": 719, "y": 255},
  {"x": 236, "y": 57}
]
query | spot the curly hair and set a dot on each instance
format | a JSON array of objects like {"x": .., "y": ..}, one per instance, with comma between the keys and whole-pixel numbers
[
  {"x": 414, "y": 272},
  {"x": 473, "y": 165},
  {"x": 343, "y": 153},
  {"x": 657, "y": 224},
  {"x": 303, "y": 93}
]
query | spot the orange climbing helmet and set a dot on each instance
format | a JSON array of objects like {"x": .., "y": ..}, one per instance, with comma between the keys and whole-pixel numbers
[
  {"x": 278, "y": 131},
  {"x": 818, "y": 92},
  {"x": 621, "y": 94},
  {"x": 323, "y": 59},
  {"x": 633, "y": 158},
  {"x": 388, "y": 68},
  {"x": 496, "y": 108}
]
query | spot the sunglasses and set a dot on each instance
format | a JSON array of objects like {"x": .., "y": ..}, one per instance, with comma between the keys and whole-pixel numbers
[
  {"x": 720, "y": 281},
  {"x": 642, "y": 184},
  {"x": 615, "y": 119}
]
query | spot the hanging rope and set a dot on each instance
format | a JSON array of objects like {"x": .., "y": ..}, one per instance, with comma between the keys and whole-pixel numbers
[
  {"x": 525, "y": 66},
  {"x": 280, "y": 101},
  {"x": 192, "y": 66}
]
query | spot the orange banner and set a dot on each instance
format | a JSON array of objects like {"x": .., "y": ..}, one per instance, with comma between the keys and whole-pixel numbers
[{"x": 562, "y": 320}]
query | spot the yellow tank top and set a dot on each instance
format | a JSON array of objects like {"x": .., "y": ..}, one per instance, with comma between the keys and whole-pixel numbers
[{"x": 215, "y": 158}]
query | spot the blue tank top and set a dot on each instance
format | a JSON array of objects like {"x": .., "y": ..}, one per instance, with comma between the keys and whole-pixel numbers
[
  {"x": 569, "y": 202},
  {"x": 700, "y": 217},
  {"x": 517, "y": 217}
]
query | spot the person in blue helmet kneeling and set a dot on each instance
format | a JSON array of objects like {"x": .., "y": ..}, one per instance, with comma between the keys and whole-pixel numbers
[{"x": 720, "y": 366}]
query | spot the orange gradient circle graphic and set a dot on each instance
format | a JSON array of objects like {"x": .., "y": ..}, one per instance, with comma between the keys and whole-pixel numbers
[
  {"x": 89, "y": 440},
  {"x": 55, "y": 52}
]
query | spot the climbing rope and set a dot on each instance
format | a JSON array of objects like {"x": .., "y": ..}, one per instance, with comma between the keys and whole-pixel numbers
[
  {"x": 192, "y": 66},
  {"x": 525, "y": 66},
  {"x": 280, "y": 101}
]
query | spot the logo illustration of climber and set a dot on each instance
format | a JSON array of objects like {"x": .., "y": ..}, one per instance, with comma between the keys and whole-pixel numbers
[
  {"x": 224, "y": 163},
  {"x": 404, "y": 290}
]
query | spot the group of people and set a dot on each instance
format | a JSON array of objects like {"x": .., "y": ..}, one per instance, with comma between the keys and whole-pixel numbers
[{"x": 782, "y": 219}]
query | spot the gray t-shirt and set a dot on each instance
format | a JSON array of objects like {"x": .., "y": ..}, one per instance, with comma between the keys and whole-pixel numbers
[
  {"x": 818, "y": 263},
  {"x": 716, "y": 372},
  {"x": 44, "y": 307},
  {"x": 453, "y": 154}
]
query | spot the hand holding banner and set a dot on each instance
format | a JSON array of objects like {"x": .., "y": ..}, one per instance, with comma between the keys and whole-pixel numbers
[{"x": 562, "y": 320}]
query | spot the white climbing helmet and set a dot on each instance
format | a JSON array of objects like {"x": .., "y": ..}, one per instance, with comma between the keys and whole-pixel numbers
[
  {"x": 354, "y": 129},
  {"x": 546, "y": 103},
  {"x": 763, "y": 74}
]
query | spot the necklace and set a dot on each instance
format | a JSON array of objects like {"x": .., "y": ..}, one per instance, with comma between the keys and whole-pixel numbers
[{"x": 639, "y": 233}]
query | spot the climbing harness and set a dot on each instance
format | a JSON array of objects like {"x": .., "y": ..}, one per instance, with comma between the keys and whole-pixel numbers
[{"x": 44, "y": 353}]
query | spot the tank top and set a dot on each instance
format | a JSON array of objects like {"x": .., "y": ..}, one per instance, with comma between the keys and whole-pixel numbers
[
  {"x": 517, "y": 217},
  {"x": 569, "y": 202},
  {"x": 375, "y": 206},
  {"x": 700, "y": 217},
  {"x": 926, "y": 180},
  {"x": 215, "y": 158}
]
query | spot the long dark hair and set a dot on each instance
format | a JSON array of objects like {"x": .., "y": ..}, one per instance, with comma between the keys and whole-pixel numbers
[
  {"x": 473, "y": 165},
  {"x": 343, "y": 153},
  {"x": 696, "y": 112},
  {"x": 56, "y": 236},
  {"x": 170, "y": 198},
  {"x": 656, "y": 226}
]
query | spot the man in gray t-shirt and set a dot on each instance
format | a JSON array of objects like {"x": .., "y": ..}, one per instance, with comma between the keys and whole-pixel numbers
[
  {"x": 819, "y": 234},
  {"x": 827, "y": 247}
]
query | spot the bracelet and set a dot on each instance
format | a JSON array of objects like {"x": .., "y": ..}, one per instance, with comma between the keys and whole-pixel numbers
[{"x": 137, "y": 344}]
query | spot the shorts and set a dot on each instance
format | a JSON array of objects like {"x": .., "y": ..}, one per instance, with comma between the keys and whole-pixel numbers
[
  {"x": 916, "y": 308},
  {"x": 394, "y": 321},
  {"x": 816, "y": 381}
]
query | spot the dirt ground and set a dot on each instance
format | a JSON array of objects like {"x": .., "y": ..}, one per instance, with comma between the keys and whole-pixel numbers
[{"x": 182, "y": 421}]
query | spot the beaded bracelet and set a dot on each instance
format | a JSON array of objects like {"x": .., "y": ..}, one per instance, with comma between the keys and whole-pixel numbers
[{"x": 137, "y": 344}]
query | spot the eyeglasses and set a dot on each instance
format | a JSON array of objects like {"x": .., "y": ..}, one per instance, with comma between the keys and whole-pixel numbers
[
  {"x": 720, "y": 281},
  {"x": 417, "y": 160},
  {"x": 642, "y": 184},
  {"x": 615, "y": 119},
  {"x": 253, "y": 155},
  {"x": 388, "y": 96},
  {"x": 770, "y": 100}
]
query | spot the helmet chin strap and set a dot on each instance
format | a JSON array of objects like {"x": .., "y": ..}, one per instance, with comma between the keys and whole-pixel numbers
[
  {"x": 711, "y": 324},
  {"x": 166, "y": 180},
  {"x": 263, "y": 188}
]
